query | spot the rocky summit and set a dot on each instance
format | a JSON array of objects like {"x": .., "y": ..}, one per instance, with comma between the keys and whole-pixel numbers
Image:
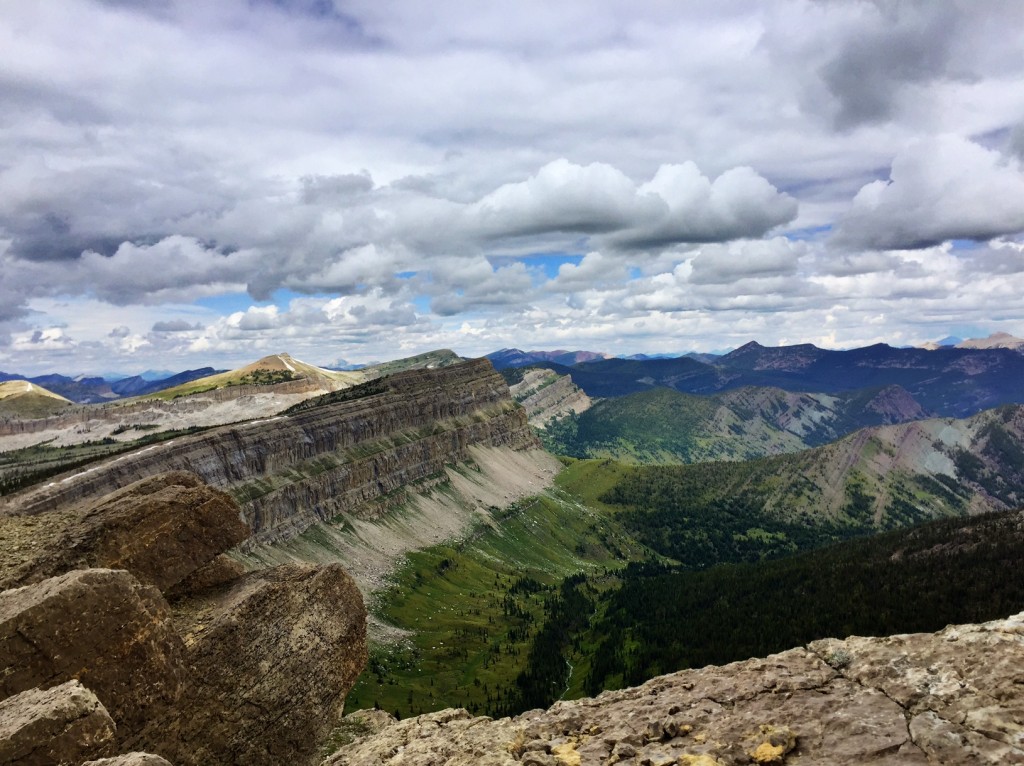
[{"x": 952, "y": 697}]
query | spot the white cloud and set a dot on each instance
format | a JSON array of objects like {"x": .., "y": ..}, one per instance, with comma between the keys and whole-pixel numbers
[
  {"x": 939, "y": 189},
  {"x": 678, "y": 205},
  {"x": 758, "y": 259},
  {"x": 380, "y": 156}
]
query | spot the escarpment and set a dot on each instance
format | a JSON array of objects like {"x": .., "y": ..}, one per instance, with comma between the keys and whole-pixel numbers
[
  {"x": 545, "y": 394},
  {"x": 326, "y": 456}
]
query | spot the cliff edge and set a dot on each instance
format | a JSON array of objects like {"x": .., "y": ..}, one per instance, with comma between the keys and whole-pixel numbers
[
  {"x": 339, "y": 453},
  {"x": 952, "y": 697}
]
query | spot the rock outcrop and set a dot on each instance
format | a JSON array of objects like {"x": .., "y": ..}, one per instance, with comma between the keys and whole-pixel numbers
[
  {"x": 161, "y": 529},
  {"x": 100, "y": 627},
  {"x": 545, "y": 394},
  {"x": 270, "y": 662},
  {"x": 130, "y": 759},
  {"x": 953, "y": 697},
  {"x": 242, "y": 669},
  {"x": 330, "y": 455},
  {"x": 44, "y": 727}
]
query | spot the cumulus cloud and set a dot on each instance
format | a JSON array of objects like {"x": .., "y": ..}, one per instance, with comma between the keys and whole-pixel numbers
[
  {"x": 174, "y": 268},
  {"x": 726, "y": 264},
  {"x": 48, "y": 339},
  {"x": 561, "y": 196},
  {"x": 678, "y": 205},
  {"x": 938, "y": 189},
  {"x": 595, "y": 270},
  {"x": 255, "y": 318},
  {"x": 477, "y": 286}
]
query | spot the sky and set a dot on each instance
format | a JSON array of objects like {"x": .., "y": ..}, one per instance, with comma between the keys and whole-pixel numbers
[{"x": 186, "y": 183}]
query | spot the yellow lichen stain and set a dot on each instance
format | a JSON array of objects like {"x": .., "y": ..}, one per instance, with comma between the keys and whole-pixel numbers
[
  {"x": 778, "y": 742},
  {"x": 697, "y": 760},
  {"x": 566, "y": 754},
  {"x": 766, "y": 752},
  {"x": 700, "y": 737}
]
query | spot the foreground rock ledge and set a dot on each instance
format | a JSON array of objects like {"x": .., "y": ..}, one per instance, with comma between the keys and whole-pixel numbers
[
  {"x": 63, "y": 724},
  {"x": 98, "y": 626},
  {"x": 952, "y": 697},
  {"x": 268, "y": 672}
]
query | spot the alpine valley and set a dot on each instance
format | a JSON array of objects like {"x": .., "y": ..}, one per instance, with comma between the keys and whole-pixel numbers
[{"x": 543, "y": 557}]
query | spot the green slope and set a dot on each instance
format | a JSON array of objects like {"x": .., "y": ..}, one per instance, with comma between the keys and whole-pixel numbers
[
  {"x": 876, "y": 479},
  {"x": 662, "y": 425},
  {"x": 22, "y": 399},
  {"x": 918, "y": 580},
  {"x": 472, "y": 609}
]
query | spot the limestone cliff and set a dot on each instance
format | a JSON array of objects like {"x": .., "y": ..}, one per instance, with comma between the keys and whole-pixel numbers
[
  {"x": 953, "y": 697},
  {"x": 337, "y": 453},
  {"x": 545, "y": 394}
]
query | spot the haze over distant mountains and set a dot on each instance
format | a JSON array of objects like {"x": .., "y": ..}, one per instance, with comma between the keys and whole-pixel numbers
[{"x": 954, "y": 382}]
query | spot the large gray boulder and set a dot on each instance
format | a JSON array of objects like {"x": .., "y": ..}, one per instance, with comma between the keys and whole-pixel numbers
[
  {"x": 270, "y": 662},
  {"x": 45, "y": 727}
]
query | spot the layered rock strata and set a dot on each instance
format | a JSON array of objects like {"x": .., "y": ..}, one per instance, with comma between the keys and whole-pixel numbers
[
  {"x": 331, "y": 455},
  {"x": 953, "y": 697},
  {"x": 545, "y": 394}
]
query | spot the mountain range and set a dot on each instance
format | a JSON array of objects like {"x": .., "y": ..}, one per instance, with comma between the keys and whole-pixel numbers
[
  {"x": 499, "y": 578},
  {"x": 95, "y": 390},
  {"x": 952, "y": 382}
]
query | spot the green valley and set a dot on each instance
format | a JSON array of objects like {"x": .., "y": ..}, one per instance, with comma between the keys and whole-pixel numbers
[{"x": 463, "y": 616}]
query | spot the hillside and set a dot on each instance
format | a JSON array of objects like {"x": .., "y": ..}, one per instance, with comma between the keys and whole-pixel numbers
[
  {"x": 878, "y": 478},
  {"x": 908, "y": 580},
  {"x": 259, "y": 390},
  {"x": 545, "y": 394},
  {"x": 662, "y": 425},
  {"x": 22, "y": 399},
  {"x": 276, "y": 368},
  {"x": 342, "y": 450}
]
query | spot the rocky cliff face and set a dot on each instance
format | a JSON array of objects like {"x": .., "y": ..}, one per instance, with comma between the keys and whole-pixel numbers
[
  {"x": 953, "y": 697},
  {"x": 193, "y": 660},
  {"x": 545, "y": 394},
  {"x": 327, "y": 456}
]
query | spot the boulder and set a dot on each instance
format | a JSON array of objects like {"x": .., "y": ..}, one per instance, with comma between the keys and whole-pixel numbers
[
  {"x": 131, "y": 759},
  {"x": 161, "y": 529},
  {"x": 269, "y": 670},
  {"x": 101, "y": 627},
  {"x": 63, "y": 724}
]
